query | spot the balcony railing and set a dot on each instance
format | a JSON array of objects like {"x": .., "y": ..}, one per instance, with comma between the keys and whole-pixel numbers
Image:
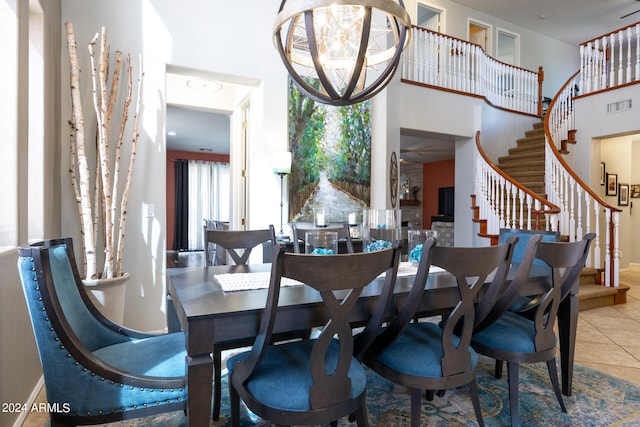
[
  {"x": 435, "y": 59},
  {"x": 610, "y": 60}
]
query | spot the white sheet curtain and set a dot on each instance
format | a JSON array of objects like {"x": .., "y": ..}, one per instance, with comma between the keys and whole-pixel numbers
[{"x": 209, "y": 197}]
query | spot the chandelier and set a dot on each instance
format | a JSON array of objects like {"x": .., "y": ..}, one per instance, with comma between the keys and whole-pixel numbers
[{"x": 341, "y": 52}]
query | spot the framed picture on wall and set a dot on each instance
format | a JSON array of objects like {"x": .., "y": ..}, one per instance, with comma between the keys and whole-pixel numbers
[
  {"x": 612, "y": 184},
  {"x": 603, "y": 175},
  {"x": 623, "y": 195},
  {"x": 635, "y": 191}
]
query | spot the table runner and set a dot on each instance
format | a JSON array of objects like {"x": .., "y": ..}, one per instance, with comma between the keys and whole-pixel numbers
[{"x": 233, "y": 282}]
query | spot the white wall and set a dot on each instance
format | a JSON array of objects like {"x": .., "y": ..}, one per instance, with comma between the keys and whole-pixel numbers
[{"x": 611, "y": 138}]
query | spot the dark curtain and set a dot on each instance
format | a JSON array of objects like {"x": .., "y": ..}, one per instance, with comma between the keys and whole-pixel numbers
[{"x": 181, "y": 229}]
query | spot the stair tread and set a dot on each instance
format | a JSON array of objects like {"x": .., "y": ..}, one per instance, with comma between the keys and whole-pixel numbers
[{"x": 594, "y": 291}]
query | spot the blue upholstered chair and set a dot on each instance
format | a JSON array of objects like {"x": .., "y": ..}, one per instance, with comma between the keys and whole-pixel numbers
[
  {"x": 508, "y": 336},
  {"x": 95, "y": 371},
  {"x": 426, "y": 355},
  {"x": 312, "y": 381},
  {"x": 523, "y": 237},
  {"x": 519, "y": 250}
]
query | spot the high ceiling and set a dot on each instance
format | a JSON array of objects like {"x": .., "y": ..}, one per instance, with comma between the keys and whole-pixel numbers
[
  {"x": 201, "y": 128},
  {"x": 572, "y": 21}
]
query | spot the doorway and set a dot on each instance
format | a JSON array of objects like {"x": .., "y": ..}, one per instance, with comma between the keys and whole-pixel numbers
[
  {"x": 480, "y": 34},
  {"x": 200, "y": 124}
]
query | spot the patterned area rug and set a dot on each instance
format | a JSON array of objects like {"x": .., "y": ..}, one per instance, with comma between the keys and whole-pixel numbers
[{"x": 598, "y": 400}]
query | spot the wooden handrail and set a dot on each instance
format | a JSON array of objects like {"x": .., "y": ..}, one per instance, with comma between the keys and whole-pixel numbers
[
  {"x": 556, "y": 153},
  {"x": 551, "y": 208}
]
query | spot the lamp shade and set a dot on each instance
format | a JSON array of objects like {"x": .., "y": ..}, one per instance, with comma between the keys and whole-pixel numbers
[
  {"x": 282, "y": 162},
  {"x": 341, "y": 52}
]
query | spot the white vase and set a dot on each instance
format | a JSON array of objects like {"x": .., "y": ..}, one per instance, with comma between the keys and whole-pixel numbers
[{"x": 108, "y": 295}]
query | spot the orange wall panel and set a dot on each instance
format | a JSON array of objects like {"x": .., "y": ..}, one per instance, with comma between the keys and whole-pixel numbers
[{"x": 435, "y": 175}]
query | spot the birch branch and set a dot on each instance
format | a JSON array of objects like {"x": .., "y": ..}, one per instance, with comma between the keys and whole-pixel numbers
[
  {"x": 80, "y": 156},
  {"x": 118, "y": 155},
  {"x": 100, "y": 106},
  {"x": 134, "y": 145}
]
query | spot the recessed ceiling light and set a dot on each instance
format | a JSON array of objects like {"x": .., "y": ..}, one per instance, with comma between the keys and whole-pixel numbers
[
  {"x": 171, "y": 133},
  {"x": 542, "y": 16},
  {"x": 205, "y": 85}
]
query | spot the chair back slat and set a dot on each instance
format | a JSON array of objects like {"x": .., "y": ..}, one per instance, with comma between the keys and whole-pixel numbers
[{"x": 238, "y": 244}]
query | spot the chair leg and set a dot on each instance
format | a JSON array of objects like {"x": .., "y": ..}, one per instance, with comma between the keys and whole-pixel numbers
[
  {"x": 416, "y": 406},
  {"x": 217, "y": 383},
  {"x": 361, "y": 417},
  {"x": 234, "y": 403},
  {"x": 475, "y": 400},
  {"x": 498, "y": 372},
  {"x": 553, "y": 374},
  {"x": 428, "y": 394},
  {"x": 512, "y": 369}
]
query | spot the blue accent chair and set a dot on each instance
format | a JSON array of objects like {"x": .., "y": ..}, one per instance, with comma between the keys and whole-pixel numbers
[
  {"x": 508, "y": 336},
  {"x": 430, "y": 356},
  {"x": 519, "y": 251},
  {"x": 94, "y": 370},
  {"x": 317, "y": 380}
]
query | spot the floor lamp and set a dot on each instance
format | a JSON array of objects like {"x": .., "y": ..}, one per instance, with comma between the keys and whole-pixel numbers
[{"x": 282, "y": 167}]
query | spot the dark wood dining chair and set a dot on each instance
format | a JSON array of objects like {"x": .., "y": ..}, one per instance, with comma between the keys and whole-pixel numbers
[
  {"x": 238, "y": 244},
  {"x": 213, "y": 255},
  {"x": 507, "y": 336},
  {"x": 299, "y": 233},
  {"x": 430, "y": 356},
  {"x": 318, "y": 380}
]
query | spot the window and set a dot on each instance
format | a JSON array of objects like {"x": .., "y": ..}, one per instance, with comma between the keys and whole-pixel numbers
[
  {"x": 22, "y": 110},
  {"x": 9, "y": 125},
  {"x": 508, "y": 47},
  {"x": 430, "y": 17}
]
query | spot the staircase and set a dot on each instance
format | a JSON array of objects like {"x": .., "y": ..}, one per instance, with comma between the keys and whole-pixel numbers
[{"x": 526, "y": 164}]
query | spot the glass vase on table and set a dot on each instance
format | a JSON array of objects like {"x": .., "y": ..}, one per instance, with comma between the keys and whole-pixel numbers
[
  {"x": 416, "y": 239},
  {"x": 321, "y": 242},
  {"x": 380, "y": 228}
]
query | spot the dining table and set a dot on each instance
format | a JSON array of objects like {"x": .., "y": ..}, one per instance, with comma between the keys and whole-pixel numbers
[{"x": 223, "y": 303}]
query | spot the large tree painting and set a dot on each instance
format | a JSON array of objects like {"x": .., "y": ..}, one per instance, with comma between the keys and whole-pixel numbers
[{"x": 331, "y": 165}]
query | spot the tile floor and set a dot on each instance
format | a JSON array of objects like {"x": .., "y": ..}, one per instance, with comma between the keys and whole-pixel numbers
[{"x": 607, "y": 337}]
